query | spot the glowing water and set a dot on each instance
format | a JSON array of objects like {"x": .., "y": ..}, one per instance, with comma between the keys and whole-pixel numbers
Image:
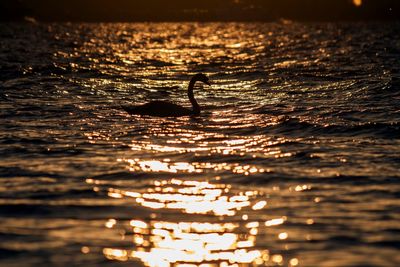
[{"x": 294, "y": 161}]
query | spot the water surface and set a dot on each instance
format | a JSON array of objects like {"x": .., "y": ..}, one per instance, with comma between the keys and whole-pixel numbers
[{"x": 293, "y": 162}]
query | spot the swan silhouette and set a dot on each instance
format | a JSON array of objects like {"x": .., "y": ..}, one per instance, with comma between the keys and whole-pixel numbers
[{"x": 167, "y": 109}]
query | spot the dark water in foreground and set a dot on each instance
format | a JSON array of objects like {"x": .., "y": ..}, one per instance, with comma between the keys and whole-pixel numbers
[{"x": 294, "y": 161}]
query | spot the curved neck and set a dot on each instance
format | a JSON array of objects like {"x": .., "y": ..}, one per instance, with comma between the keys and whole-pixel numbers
[{"x": 196, "y": 107}]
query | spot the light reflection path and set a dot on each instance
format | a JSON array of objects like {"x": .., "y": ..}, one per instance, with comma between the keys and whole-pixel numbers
[
  {"x": 201, "y": 221},
  {"x": 223, "y": 235}
]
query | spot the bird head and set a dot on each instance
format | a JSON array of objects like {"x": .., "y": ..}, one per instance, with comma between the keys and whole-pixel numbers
[{"x": 202, "y": 78}]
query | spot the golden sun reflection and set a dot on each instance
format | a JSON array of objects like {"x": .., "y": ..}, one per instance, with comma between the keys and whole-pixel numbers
[
  {"x": 256, "y": 146},
  {"x": 154, "y": 166},
  {"x": 216, "y": 226},
  {"x": 163, "y": 243},
  {"x": 192, "y": 197}
]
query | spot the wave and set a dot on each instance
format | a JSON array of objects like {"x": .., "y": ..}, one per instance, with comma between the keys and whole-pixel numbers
[{"x": 296, "y": 127}]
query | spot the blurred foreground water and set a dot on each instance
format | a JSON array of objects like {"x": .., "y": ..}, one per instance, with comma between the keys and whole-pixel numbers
[{"x": 293, "y": 162}]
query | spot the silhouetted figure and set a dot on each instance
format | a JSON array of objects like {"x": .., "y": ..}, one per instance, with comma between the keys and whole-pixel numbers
[{"x": 167, "y": 109}]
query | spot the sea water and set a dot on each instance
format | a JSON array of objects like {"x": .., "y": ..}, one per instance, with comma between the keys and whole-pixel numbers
[{"x": 294, "y": 160}]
